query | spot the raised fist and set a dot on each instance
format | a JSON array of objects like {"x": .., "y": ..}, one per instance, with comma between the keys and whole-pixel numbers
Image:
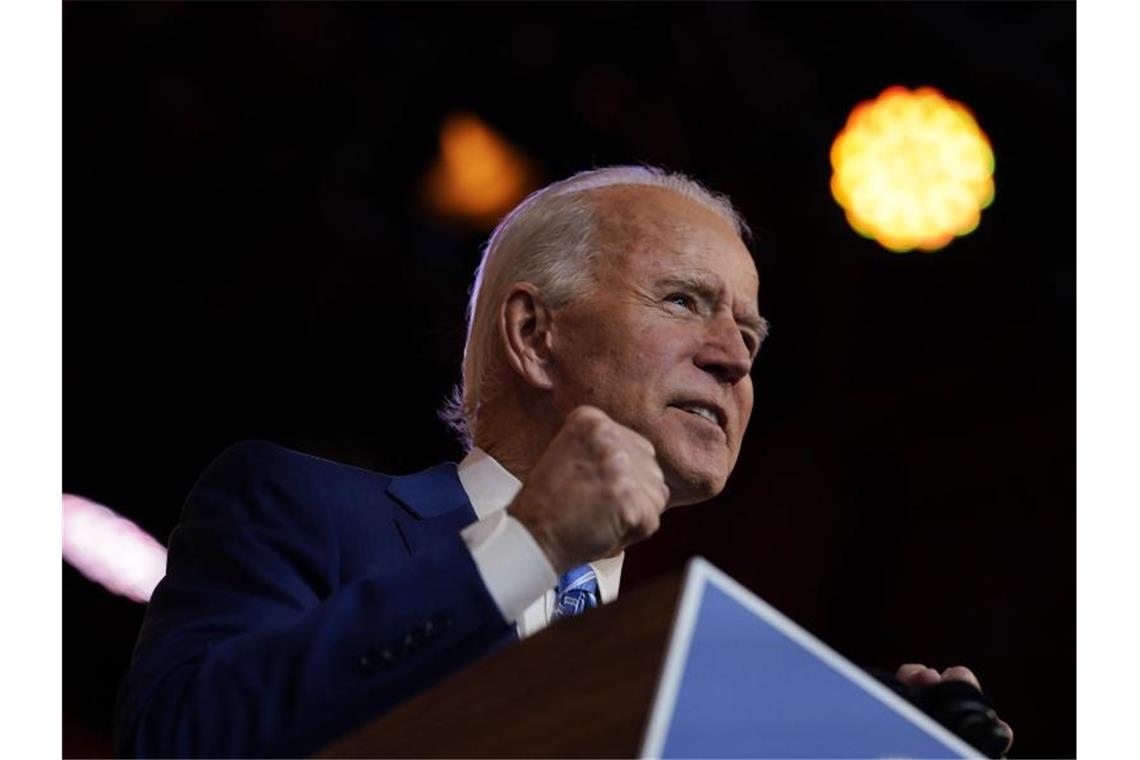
[{"x": 595, "y": 490}]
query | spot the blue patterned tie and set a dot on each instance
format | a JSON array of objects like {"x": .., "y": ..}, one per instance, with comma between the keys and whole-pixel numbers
[{"x": 576, "y": 592}]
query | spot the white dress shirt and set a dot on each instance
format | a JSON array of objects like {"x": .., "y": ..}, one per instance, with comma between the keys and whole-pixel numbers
[{"x": 513, "y": 566}]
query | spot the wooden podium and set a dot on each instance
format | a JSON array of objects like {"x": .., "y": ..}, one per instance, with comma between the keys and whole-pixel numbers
[
  {"x": 581, "y": 688},
  {"x": 693, "y": 665}
]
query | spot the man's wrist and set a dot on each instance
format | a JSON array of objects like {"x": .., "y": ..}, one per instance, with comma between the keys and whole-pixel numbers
[
  {"x": 514, "y": 567},
  {"x": 542, "y": 537}
]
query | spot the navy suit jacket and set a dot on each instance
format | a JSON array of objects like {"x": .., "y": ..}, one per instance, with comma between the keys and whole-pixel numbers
[{"x": 302, "y": 597}]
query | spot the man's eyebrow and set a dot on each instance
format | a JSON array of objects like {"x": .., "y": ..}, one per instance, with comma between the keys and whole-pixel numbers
[
  {"x": 707, "y": 287},
  {"x": 754, "y": 321},
  {"x": 710, "y": 289}
]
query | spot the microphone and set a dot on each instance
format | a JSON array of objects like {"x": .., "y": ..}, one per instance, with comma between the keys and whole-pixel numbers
[{"x": 959, "y": 707}]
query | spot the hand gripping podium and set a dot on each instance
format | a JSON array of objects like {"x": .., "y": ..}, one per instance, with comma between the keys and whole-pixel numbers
[{"x": 693, "y": 665}]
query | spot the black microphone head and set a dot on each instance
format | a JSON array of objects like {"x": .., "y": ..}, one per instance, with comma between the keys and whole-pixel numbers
[{"x": 967, "y": 712}]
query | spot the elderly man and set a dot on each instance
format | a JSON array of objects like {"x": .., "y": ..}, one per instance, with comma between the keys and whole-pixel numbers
[{"x": 612, "y": 326}]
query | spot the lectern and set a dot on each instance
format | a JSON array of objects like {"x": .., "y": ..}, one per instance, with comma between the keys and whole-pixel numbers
[{"x": 693, "y": 665}]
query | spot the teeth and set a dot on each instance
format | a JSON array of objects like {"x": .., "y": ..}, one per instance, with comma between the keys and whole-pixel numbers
[{"x": 702, "y": 411}]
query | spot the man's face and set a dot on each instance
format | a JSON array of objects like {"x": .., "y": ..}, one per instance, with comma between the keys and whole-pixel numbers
[{"x": 665, "y": 341}]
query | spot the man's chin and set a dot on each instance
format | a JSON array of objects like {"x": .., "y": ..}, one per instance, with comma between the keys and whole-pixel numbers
[
  {"x": 696, "y": 466},
  {"x": 689, "y": 485}
]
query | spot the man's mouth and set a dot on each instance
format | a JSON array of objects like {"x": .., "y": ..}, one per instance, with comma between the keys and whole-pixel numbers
[{"x": 704, "y": 411}]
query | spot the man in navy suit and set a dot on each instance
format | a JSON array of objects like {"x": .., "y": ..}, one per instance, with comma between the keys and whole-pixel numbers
[{"x": 611, "y": 330}]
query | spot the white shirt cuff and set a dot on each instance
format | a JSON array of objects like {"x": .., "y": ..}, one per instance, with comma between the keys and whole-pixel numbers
[{"x": 513, "y": 566}]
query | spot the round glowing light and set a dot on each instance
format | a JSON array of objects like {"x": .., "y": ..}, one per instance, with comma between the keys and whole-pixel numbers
[{"x": 912, "y": 169}]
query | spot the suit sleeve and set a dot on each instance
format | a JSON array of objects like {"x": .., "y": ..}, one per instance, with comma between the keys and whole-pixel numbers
[{"x": 252, "y": 646}]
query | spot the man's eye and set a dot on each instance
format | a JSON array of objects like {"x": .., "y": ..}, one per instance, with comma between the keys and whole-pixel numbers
[
  {"x": 682, "y": 300},
  {"x": 749, "y": 341}
]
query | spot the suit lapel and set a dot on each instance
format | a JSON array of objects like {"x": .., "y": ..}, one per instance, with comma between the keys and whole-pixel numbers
[{"x": 435, "y": 505}]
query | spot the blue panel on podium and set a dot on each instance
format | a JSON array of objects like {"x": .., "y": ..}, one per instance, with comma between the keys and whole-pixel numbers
[{"x": 742, "y": 680}]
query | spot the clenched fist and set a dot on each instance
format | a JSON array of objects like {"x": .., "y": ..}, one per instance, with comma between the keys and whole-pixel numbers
[{"x": 596, "y": 489}]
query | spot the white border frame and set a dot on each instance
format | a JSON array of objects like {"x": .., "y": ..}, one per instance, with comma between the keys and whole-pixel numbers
[{"x": 700, "y": 572}]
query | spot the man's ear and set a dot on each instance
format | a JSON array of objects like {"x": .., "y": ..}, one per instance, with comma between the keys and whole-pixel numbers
[{"x": 524, "y": 327}]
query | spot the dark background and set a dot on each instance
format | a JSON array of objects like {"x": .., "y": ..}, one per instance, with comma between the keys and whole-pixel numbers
[{"x": 246, "y": 257}]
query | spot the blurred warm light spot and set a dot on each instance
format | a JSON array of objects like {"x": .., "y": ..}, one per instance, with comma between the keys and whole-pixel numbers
[
  {"x": 912, "y": 169},
  {"x": 479, "y": 176},
  {"x": 110, "y": 549}
]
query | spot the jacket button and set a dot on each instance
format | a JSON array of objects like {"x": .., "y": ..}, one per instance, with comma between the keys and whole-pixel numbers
[
  {"x": 431, "y": 629},
  {"x": 377, "y": 660},
  {"x": 411, "y": 641}
]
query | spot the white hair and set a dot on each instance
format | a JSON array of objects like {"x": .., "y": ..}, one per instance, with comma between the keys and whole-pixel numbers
[{"x": 550, "y": 240}]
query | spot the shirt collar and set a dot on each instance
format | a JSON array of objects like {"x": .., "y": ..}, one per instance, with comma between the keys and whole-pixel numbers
[
  {"x": 488, "y": 484},
  {"x": 491, "y": 487}
]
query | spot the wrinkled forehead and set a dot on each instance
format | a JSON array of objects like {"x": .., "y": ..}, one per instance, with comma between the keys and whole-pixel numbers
[{"x": 654, "y": 228}]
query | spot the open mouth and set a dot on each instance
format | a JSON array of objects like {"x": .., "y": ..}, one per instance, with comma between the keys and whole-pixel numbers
[{"x": 704, "y": 411}]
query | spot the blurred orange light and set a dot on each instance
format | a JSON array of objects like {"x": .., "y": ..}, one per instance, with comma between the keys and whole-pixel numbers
[
  {"x": 479, "y": 176},
  {"x": 912, "y": 169}
]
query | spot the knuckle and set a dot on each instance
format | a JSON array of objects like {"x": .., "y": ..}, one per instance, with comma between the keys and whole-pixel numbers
[
  {"x": 581, "y": 412},
  {"x": 959, "y": 672},
  {"x": 653, "y": 522},
  {"x": 588, "y": 414},
  {"x": 583, "y": 419},
  {"x": 630, "y": 514},
  {"x": 601, "y": 436},
  {"x": 646, "y": 526},
  {"x": 616, "y": 489},
  {"x": 615, "y": 463},
  {"x": 606, "y": 430}
]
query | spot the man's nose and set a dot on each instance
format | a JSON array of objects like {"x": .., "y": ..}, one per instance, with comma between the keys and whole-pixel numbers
[{"x": 724, "y": 353}]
